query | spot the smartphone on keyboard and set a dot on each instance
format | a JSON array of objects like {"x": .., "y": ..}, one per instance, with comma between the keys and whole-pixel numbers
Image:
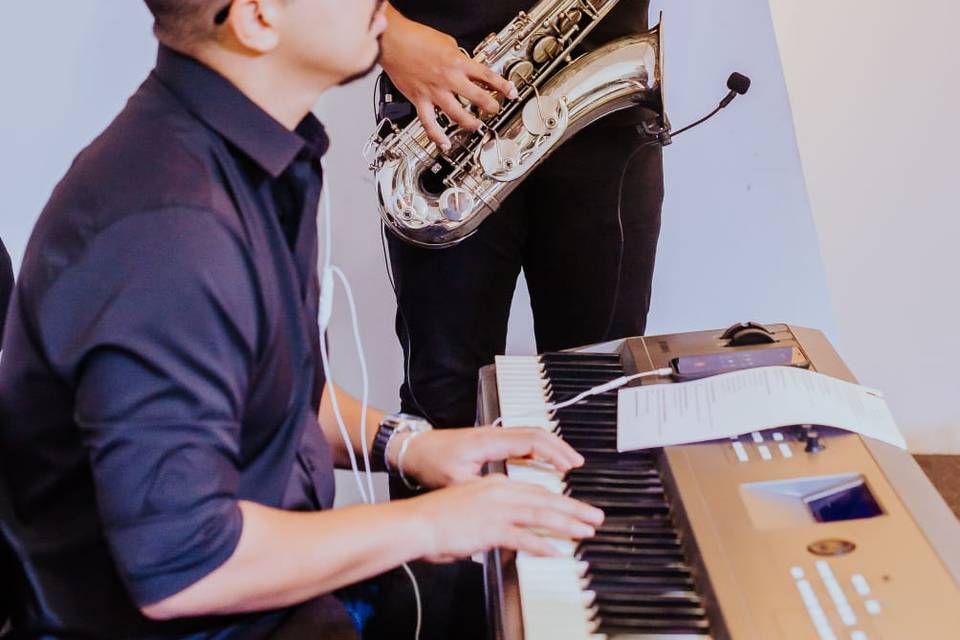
[{"x": 695, "y": 367}]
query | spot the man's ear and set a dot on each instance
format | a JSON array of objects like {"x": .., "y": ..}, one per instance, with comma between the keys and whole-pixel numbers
[{"x": 255, "y": 24}]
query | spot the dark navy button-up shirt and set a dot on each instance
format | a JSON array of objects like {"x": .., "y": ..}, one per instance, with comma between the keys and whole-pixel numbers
[
  {"x": 6, "y": 285},
  {"x": 161, "y": 358}
]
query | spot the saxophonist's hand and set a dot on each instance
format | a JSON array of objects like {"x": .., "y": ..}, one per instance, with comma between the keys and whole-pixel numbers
[{"x": 428, "y": 67}]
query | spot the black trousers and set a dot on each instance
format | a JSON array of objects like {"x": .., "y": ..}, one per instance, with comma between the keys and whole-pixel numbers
[
  {"x": 452, "y": 607},
  {"x": 561, "y": 228}
]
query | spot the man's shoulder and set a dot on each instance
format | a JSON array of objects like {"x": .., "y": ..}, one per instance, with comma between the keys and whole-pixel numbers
[
  {"x": 153, "y": 160},
  {"x": 154, "y": 155}
]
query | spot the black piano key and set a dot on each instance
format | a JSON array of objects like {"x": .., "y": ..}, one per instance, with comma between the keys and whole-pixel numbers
[
  {"x": 587, "y": 379},
  {"x": 642, "y": 587},
  {"x": 640, "y": 608},
  {"x": 636, "y": 469},
  {"x": 652, "y": 538},
  {"x": 581, "y": 374},
  {"x": 666, "y": 600},
  {"x": 635, "y": 563},
  {"x": 631, "y": 506},
  {"x": 559, "y": 357},
  {"x": 584, "y": 436},
  {"x": 596, "y": 410},
  {"x": 647, "y": 525},
  {"x": 604, "y": 401},
  {"x": 597, "y": 422},
  {"x": 629, "y": 624},
  {"x": 586, "y": 440},
  {"x": 600, "y": 490},
  {"x": 601, "y": 481},
  {"x": 615, "y": 555},
  {"x": 586, "y": 452},
  {"x": 638, "y": 567},
  {"x": 595, "y": 445},
  {"x": 619, "y": 546},
  {"x": 561, "y": 366}
]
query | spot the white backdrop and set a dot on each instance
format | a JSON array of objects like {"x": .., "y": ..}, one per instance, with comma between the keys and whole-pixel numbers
[
  {"x": 876, "y": 92},
  {"x": 738, "y": 240}
]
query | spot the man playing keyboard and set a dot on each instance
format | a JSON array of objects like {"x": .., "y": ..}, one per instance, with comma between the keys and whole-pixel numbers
[{"x": 167, "y": 442}]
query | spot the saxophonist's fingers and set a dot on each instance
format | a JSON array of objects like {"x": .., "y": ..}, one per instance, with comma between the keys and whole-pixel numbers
[
  {"x": 478, "y": 72},
  {"x": 456, "y": 112},
  {"x": 428, "y": 117},
  {"x": 479, "y": 97}
]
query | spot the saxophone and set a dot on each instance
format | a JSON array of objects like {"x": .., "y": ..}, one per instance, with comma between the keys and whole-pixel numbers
[{"x": 435, "y": 199}]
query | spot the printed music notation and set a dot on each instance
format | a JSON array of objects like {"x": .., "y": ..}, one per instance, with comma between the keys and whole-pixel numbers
[{"x": 750, "y": 400}]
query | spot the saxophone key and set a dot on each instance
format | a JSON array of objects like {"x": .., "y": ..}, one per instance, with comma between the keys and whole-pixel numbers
[
  {"x": 456, "y": 203},
  {"x": 544, "y": 114},
  {"x": 545, "y": 49},
  {"x": 500, "y": 159}
]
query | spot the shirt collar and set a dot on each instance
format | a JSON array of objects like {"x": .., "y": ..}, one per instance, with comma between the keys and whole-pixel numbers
[{"x": 223, "y": 107}]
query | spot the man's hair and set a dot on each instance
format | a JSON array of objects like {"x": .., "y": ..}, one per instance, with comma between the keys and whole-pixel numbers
[{"x": 184, "y": 23}]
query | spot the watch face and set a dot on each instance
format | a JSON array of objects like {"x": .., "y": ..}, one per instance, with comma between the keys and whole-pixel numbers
[{"x": 407, "y": 422}]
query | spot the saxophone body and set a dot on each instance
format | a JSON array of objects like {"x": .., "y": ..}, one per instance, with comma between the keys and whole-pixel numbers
[{"x": 435, "y": 199}]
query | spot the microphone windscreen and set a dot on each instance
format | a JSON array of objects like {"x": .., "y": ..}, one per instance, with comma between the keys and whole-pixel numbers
[{"x": 738, "y": 82}]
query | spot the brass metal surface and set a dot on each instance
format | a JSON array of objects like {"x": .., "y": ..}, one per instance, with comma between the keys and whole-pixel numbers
[{"x": 909, "y": 556}]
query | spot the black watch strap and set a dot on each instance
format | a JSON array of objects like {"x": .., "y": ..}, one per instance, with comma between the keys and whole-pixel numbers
[{"x": 378, "y": 453}]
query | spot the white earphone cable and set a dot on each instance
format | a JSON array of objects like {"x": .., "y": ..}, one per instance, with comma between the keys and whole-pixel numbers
[
  {"x": 616, "y": 383},
  {"x": 325, "y": 315}
]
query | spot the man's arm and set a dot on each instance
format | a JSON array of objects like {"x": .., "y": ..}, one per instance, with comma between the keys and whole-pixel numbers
[
  {"x": 429, "y": 68},
  {"x": 160, "y": 386},
  {"x": 443, "y": 457},
  {"x": 285, "y": 558},
  {"x": 350, "y": 409}
]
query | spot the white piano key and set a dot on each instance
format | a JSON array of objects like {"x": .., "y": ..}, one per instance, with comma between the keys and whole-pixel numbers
[{"x": 556, "y": 604}]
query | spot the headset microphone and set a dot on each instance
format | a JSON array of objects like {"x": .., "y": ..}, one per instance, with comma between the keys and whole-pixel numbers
[{"x": 738, "y": 84}]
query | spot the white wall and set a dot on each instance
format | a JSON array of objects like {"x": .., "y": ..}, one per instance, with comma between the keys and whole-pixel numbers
[
  {"x": 875, "y": 89},
  {"x": 67, "y": 69}
]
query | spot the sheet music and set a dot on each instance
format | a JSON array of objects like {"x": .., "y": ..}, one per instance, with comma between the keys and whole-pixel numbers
[{"x": 750, "y": 400}]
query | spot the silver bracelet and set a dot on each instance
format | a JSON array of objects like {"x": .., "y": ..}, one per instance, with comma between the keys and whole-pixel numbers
[
  {"x": 386, "y": 448},
  {"x": 413, "y": 486}
]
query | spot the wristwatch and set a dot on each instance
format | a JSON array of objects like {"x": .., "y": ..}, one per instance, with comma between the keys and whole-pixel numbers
[{"x": 390, "y": 426}]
